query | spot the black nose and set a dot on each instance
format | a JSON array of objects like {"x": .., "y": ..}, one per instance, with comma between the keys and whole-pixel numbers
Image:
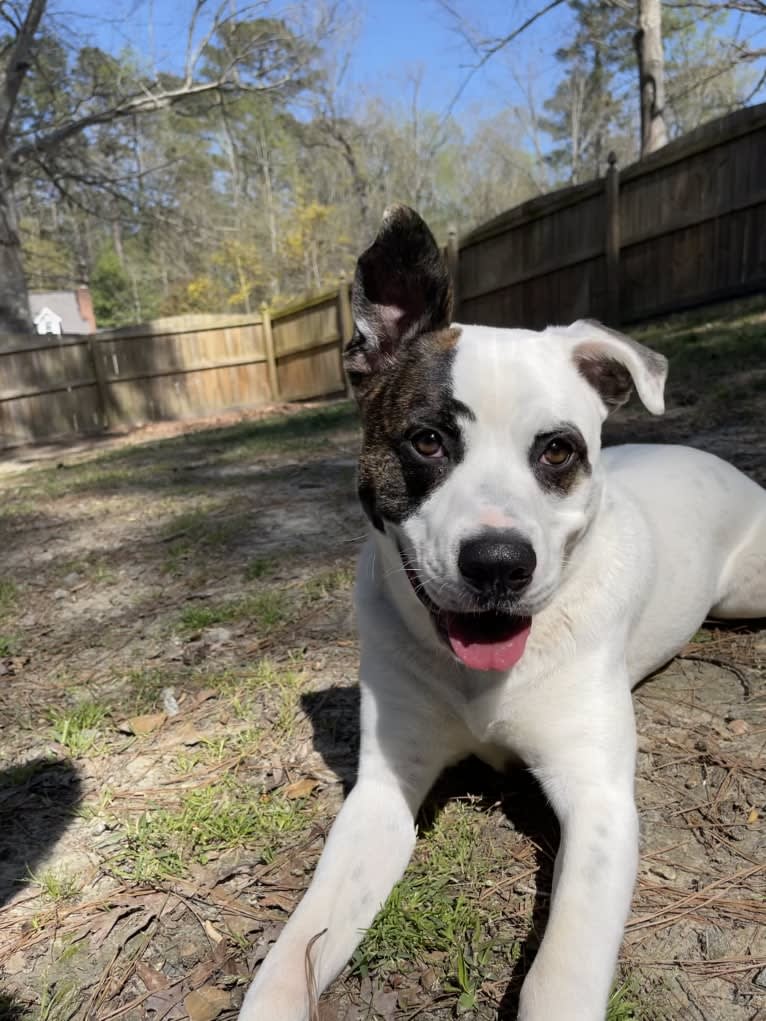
[{"x": 497, "y": 563}]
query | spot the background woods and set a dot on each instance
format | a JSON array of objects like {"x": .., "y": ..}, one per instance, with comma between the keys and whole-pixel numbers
[{"x": 249, "y": 166}]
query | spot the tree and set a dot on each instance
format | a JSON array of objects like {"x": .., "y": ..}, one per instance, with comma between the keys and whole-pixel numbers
[
  {"x": 60, "y": 108},
  {"x": 587, "y": 115},
  {"x": 651, "y": 76},
  {"x": 689, "y": 71}
]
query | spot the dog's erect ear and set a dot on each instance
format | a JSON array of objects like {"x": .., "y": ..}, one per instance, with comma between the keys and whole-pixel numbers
[
  {"x": 613, "y": 364},
  {"x": 401, "y": 288}
]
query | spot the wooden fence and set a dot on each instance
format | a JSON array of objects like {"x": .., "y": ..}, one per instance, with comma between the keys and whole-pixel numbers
[
  {"x": 123, "y": 378},
  {"x": 683, "y": 227}
]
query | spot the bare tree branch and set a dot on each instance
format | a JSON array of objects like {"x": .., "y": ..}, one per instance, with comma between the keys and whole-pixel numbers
[
  {"x": 741, "y": 6},
  {"x": 19, "y": 61},
  {"x": 146, "y": 102},
  {"x": 487, "y": 48}
]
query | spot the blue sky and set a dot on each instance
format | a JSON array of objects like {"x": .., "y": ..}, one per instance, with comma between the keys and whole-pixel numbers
[{"x": 394, "y": 39}]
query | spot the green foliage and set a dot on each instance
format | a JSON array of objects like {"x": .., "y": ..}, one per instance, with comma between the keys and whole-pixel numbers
[
  {"x": 8, "y": 597},
  {"x": 622, "y": 1005},
  {"x": 435, "y": 909},
  {"x": 217, "y": 204},
  {"x": 267, "y": 610},
  {"x": 79, "y": 729},
  {"x": 56, "y": 885},
  {"x": 110, "y": 286},
  {"x": 595, "y": 106},
  {"x": 164, "y": 842}
]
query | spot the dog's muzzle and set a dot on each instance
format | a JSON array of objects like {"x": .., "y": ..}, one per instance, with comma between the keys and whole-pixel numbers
[{"x": 487, "y": 639}]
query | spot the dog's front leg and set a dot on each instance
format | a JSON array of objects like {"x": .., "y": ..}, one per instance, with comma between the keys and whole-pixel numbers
[
  {"x": 366, "y": 853},
  {"x": 587, "y": 771}
]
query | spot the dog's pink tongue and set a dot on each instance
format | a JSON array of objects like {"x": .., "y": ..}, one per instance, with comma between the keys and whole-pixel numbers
[{"x": 496, "y": 648}]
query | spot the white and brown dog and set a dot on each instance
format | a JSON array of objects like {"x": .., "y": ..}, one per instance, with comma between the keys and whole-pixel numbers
[{"x": 517, "y": 583}]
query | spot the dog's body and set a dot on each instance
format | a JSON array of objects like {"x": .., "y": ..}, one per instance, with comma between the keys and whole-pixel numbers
[{"x": 517, "y": 584}]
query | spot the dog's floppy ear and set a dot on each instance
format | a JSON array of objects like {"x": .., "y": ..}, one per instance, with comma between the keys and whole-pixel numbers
[
  {"x": 401, "y": 288},
  {"x": 613, "y": 364}
]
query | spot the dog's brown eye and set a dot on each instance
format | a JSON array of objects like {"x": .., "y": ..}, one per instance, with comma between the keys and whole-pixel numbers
[
  {"x": 557, "y": 453},
  {"x": 428, "y": 443}
]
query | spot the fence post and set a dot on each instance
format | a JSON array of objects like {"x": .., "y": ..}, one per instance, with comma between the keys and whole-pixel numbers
[
  {"x": 346, "y": 321},
  {"x": 612, "y": 187},
  {"x": 268, "y": 343},
  {"x": 453, "y": 258},
  {"x": 101, "y": 383}
]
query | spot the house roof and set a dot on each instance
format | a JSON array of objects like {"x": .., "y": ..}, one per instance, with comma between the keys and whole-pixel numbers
[{"x": 64, "y": 304}]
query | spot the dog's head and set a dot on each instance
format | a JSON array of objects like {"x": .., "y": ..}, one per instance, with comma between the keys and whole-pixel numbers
[{"x": 480, "y": 456}]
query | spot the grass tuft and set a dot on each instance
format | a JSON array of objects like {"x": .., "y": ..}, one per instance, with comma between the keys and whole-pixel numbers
[
  {"x": 326, "y": 583},
  {"x": 435, "y": 909},
  {"x": 267, "y": 610},
  {"x": 57, "y": 886},
  {"x": 261, "y": 567},
  {"x": 164, "y": 842},
  {"x": 9, "y": 595},
  {"x": 622, "y": 1006},
  {"x": 78, "y": 729}
]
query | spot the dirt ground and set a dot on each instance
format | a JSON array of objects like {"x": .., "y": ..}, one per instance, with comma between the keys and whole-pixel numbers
[{"x": 179, "y": 721}]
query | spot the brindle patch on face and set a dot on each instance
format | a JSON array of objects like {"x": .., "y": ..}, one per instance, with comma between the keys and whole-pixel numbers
[
  {"x": 560, "y": 479},
  {"x": 415, "y": 392}
]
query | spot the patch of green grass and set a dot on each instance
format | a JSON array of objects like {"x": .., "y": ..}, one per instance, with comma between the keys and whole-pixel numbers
[
  {"x": 261, "y": 567},
  {"x": 327, "y": 582},
  {"x": 146, "y": 687},
  {"x": 267, "y": 609},
  {"x": 196, "y": 532},
  {"x": 78, "y": 729},
  {"x": 622, "y": 1005},
  {"x": 59, "y": 1001},
  {"x": 164, "y": 842},
  {"x": 435, "y": 908},
  {"x": 716, "y": 360},
  {"x": 9, "y": 595},
  {"x": 284, "y": 685},
  {"x": 199, "y": 526},
  {"x": 94, "y": 569},
  {"x": 56, "y": 885},
  {"x": 7, "y": 645},
  {"x": 213, "y": 751},
  {"x": 96, "y": 807},
  {"x": 702, "y": 636}
]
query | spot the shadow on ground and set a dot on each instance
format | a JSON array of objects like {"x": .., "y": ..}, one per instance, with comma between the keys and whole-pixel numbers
[
  {"x": 11, "y": 1009},
  {"x": 37, "y": 802}
]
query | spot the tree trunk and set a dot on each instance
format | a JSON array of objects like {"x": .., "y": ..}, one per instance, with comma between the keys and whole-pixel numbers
[
  {"x": 651, "y": 76},
  {"x": 14, "y": 303}
]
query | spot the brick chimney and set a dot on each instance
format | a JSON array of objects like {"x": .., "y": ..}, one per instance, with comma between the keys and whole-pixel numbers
[{"x": 85, "y": 305}]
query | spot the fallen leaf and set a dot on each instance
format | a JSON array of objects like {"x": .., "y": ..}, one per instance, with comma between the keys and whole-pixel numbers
[
  {"x": 187, "y": 734},
  {"x": 207, "y": 1003},
  {"x": 110, "y": 919},
  {"x": 301, "y": 788},
  {"x": 205, "y": 695},
  {"x": 752, "y": 816},
  {"x": 212, "y": 932},
  {"x": 739, "y": 727},
  {"x": 153, "y": 979},
  {"x": 276, "y": 900},
  {"x": 384, "y": 1003},
  {"x": 145, "y": 724}
]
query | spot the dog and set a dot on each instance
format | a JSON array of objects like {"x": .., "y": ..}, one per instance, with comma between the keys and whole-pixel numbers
[{"x": 517, "y": 583}]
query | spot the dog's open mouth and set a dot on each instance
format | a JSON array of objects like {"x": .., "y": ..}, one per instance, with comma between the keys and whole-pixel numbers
[{"x": 485, "y": 640}]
